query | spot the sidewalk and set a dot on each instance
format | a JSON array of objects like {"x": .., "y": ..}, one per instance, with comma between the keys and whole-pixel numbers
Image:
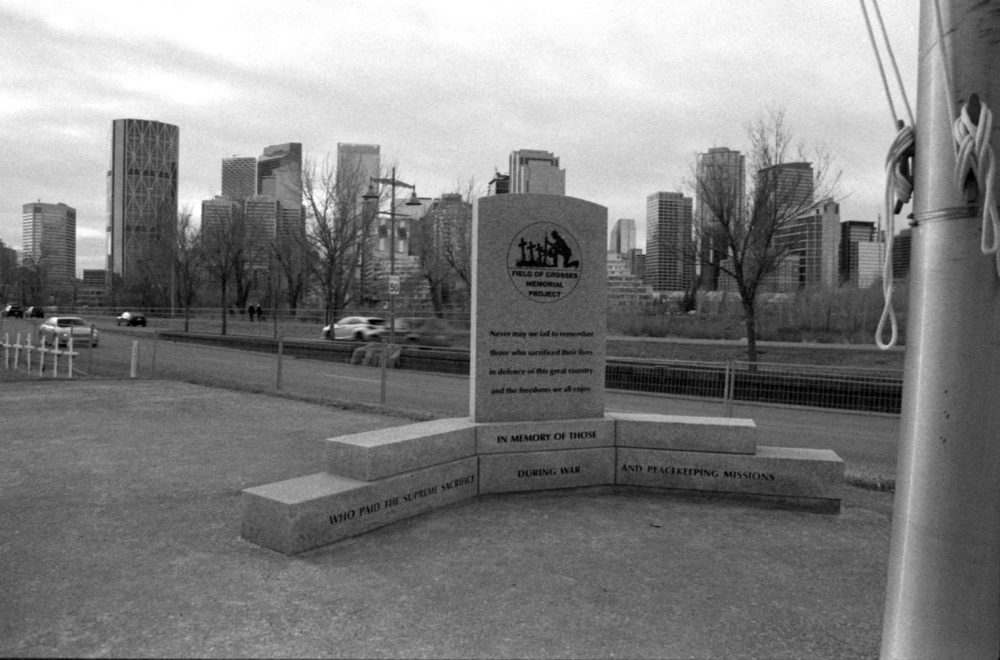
[{"x": 119, "y": 536}]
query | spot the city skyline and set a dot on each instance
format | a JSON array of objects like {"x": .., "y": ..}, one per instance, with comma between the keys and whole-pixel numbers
[{"x": 447, "y": 91}]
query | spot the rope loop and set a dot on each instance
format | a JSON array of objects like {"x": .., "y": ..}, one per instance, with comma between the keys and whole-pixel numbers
[{"x": 898, "y": 191}]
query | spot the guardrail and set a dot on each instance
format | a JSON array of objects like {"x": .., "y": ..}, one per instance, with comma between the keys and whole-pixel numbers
[{"x": 843, "y": 388}]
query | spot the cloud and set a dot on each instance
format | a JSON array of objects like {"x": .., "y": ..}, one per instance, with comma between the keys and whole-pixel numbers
[{"x": 625, "y": 93}]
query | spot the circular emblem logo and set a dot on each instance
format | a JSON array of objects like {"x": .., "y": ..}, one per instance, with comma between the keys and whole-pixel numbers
[{"x": 543, "y": 262}]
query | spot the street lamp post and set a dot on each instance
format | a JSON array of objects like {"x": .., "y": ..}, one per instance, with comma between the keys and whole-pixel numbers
[{"x": 373, "y": 196}]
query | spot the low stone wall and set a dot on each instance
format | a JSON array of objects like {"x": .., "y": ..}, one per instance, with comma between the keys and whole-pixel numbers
[{"x": 379, "y": 477}]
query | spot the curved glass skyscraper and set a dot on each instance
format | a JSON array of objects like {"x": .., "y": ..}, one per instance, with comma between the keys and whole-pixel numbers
[{"x": 142, "y": 207}]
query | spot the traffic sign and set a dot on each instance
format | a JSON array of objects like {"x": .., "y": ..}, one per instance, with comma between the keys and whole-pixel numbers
[{"x": 394, "y": 285}]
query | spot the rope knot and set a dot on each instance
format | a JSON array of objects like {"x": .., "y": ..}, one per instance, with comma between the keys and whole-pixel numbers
[{"x": 975, "y": 168}]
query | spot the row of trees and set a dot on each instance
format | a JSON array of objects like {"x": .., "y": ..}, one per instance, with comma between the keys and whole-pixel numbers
[{"x": 324, "y": 250}]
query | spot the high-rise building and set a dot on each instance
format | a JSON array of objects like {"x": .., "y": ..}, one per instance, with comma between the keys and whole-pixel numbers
[
  {"x": 720, "y": 197},
  {"x": 533, "y": 171},
  {"x": 669, "y": 263},
  {"x": 853, "y": 233},
  {"x": 357, "y": 164},
  {"x": 49, "y": 242},
  {"x": 810, "y": 243},
  {"x": 239, "y": 177},
  {"x": 142, "y": 202},
  {"x": 788, "y": 187},
  {"x": 279, "y": 174},
  {"x": 499, "y": 184},
  {"x": 622, "y": 236}
]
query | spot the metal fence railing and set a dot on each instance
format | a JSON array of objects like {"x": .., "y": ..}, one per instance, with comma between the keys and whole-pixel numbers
[{"x": 869, "y": 390}]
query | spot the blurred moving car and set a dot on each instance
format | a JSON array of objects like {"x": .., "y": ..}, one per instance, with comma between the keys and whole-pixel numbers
[
  {"x": 60, "y": 328},
  {"x": 358, "y": 328},
  {"x": 14, "y": 311},
  {"x": 131, "y": 318},
  {"x": 428, "y": 331},
  {"x": 34, "y": 312}
]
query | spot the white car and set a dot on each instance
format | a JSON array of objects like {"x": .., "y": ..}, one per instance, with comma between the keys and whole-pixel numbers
[
  {"x": 59, "y": 328},
  {"x": 358, "y": 328}
]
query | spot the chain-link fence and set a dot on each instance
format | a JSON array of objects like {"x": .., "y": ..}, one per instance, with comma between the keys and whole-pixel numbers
[{"x": 133, "y": 352}]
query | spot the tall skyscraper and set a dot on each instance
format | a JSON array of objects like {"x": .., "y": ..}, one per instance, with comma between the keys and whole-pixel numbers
[
  {"x": 279, "y": 174},
  {"x": 142, "y": 202},
  {"x": 622, "y": 236},
  {"x": 810, "y": 243},
  {"x": 239, "y": 177},
  {"x": 721, "y": 191},
  {"x": 669, "y": 263},
  {"x": 357, "y": 164},
  {"x": 533, "y": 171},
  {"x": 49, "y": 242},
  {"x": 789, "y": 186}
]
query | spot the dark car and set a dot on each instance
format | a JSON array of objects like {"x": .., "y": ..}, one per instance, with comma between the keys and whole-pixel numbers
[
  {"x": 132, "y": 318},
  {"x": 428, "y": 331},
  {"x": 34, "y": 312},
  {"x": 13, "y": 310}
]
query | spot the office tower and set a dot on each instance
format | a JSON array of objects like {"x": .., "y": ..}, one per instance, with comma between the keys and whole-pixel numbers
[
  {"x": 49, "y": 243},
  {"x": 622, "y": 236},
  {"x": 901, "y": 246},
  {"x": 788, "y": 187},
  {"x": 534, "y": 171},
  {"x": 357, "y": 164},
  {"x": 669, "y": 264},
  {"x": 809, "y": 244},
  {"x": 142, "y": 203},
  {"x": 217, "y": 216},
  {"x": 279, "y": 174},
  {"x": 852, "y": 234},
  {"x": 239, "y": 177},
  {"x": 720, "y": 197},
  {"x": 499, "y": 184}
]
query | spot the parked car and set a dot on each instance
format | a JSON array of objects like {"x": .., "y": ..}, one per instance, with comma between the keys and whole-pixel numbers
[
  {"x": 34, "y": 312},
  {"x": 13, "y": 310},
  {"x": 358, "y": 328},
  {"x": 131, "y": 318},
  {"x": 428, "y": 331},
  {"x": 59, "y": 328}
]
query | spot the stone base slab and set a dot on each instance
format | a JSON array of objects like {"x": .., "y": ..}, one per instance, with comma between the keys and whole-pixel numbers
[
  {"x": 378, "y": 454},
  {"x": 308, "y": 512},
  {"x": 380, "y": 477},
  {"x": 707, "y": 434},
  {"x": 545, "y": 470},
  {"x": 773, "y": 471}
]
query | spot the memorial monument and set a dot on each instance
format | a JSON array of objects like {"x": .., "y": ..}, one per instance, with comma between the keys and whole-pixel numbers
[{"x": 537, "y": 416}]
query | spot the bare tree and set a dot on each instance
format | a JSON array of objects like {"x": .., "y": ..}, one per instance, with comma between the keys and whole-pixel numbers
[
  {"x": 188, "y": 263},
  {"x": 747, "y": 236},
  {"x": 337, "y": 229},
  {"x": 457, "y": 251},
  {"x": 434, "y": 239},
  {"x": 222, "y": 246}
]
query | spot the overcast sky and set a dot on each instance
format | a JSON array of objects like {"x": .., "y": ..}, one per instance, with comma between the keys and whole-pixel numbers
[{"x": 624, "y": 92}]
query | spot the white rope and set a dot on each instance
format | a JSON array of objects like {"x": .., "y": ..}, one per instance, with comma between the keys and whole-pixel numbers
[
  {"x": 973, "y": 153},
  {"x": 898, "y": 177},
  {"x": 898, "y": 191},
  {"x": 975, "y": 158}
]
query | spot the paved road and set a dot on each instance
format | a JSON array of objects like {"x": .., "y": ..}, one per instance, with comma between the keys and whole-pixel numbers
[{"x": 867, "y": 443}]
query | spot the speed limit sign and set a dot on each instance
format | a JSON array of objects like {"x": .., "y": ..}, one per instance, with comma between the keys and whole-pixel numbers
[{"x": 394, "y": 285}]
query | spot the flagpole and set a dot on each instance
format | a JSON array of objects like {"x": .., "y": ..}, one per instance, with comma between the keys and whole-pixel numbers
[{"x": 943, "y": 579}]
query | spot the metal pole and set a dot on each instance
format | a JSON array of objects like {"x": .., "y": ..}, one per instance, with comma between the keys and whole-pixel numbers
[
  {"x": 943, "y": 581},
  {"x": 392, "y": 274},
  {"x": 281, "y": 352}
]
